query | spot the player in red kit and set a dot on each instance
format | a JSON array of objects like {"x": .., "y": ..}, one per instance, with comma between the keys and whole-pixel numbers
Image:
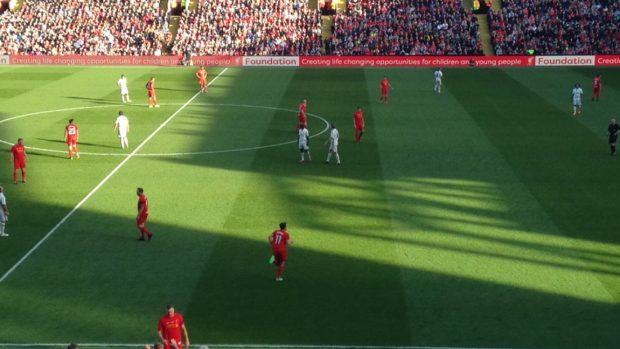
[
  {"x": 385, "y": 87},
  {"x": 72, "y": 136},
  {"x": 170, "y": 328},
  {"x": 150, "y": 87},
  {"x": 302, "y": 118},
  {"x": 201, "y": 74},
  {"x": 143, "y": 214},
  {"x": 358, "y": 122},
  {"x": 596, "y": 87},
  {"x": 280, "y": 240},
  {"x": 19, "y": 160}
]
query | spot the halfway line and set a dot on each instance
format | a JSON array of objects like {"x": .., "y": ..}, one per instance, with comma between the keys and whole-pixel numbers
[{"x": 103, "y": 181}]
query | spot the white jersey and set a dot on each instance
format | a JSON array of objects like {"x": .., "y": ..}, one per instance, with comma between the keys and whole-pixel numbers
[
  {"x": 122, "y": 124},
  {"x": 438, "y": 75},
  {"x": 304, "y": 135},
  {"x": 3, "y": 217},
  {"x": 122, "y": 83},
  {"x": 333, "y": 136},
  {"x": 577, "y": 93}
]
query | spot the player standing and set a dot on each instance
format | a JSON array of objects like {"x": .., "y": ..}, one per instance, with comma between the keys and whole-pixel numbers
[
  {"x": 303, "y": 140},
  {"x": 358, "y": 123},
  {"x": 596, "y": 87},
  {"x": 143, "y": 214},
  {"x": 72, "y": 136},
  {"x": 385, "y": 87},
  {"x": 18, "y": 152},
  {"x": 150, "y": 87},
  {"x": 280, "y": 240},
  {"x": 4, "y": 213},
  {"x": 613, "y": 135},
  {"x": 438, "y": 80},
  {"x": 122, "y": 127},
  {"x": 122, "y": 84},
  {"x": 577, "y": 94},
  {"x": 201, "y": 74},
  {"x": 302, "y": 118},
  {"x": 169, "y": 329},
  {"x": 334, "y": 135}
]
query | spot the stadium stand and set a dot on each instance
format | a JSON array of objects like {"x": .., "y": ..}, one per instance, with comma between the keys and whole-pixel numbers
[
  {"x": 405, "y": 27},
  {"x": 556, "y": 27},
  {"x": 103, "y": 27},
  {"x": 250, "y": 27}
]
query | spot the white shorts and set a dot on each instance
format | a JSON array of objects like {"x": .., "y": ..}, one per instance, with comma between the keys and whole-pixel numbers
[
  {"x": 3, "y": 217},
  {"x": 303, "y": 147},
  {"x": 577, "y": 103},
  {"x": 124, "y": 91},
  {"x": 333, "y": 147},
  {"x": 122, "y": 135}
]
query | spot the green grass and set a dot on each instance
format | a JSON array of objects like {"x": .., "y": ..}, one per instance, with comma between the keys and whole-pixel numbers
[{"x": 485, "y": 216}]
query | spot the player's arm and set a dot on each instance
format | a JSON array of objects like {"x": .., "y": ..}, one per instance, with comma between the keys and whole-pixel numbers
[
  {"x": 66, "y": 135},
  {"x": 186, "y": 336},
  {"x": 161, "y": 336},
  {"x": 115, "y": 126}
]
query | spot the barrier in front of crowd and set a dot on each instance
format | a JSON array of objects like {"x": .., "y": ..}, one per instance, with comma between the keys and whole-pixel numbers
[{"x": 322, "y": 61}]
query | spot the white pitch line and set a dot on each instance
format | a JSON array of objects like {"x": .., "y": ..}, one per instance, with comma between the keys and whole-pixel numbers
[
  {"x": 221, "y": 151},
  {"x": 249, "y": 346},
  {"x": 92, "y": 192}
]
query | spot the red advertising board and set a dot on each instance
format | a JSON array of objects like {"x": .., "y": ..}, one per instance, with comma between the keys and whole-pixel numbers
[{"x": 323, "y": 61}]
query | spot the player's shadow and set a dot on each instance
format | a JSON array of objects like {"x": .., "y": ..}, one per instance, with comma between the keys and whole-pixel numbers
[
  {"x": 80, "y": 143},
  {"x": 176, "y": 89},
  {"x": 93, "y": 100}
]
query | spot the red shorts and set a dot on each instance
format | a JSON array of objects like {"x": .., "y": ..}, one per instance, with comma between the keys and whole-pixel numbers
[
  {"x": 19, "y": 163},
  {"x": 72, "y": 141},
  {"x": 151, "y": 93},
  {"x": 202, "y": 82},
  {"x": 281, "y": 257},
  {"x": 596, "y": 91},
  {"x": 142, "y": 219},
  {"x": 384, "y": 92}
]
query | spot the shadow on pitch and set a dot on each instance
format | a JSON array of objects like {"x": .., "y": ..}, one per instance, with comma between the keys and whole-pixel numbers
[
  {"x": 93, "y": 100},
  {"x": 79, "y": 143}
]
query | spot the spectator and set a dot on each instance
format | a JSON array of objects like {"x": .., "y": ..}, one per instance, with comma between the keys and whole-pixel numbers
[{"x": 559, "y": 27}]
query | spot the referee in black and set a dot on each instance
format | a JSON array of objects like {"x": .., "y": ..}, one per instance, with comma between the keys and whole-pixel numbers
[{"x": 613, "y": 135}]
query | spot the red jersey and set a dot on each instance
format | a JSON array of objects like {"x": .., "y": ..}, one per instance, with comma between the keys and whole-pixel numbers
[
  {"x": 201, "y": 74},
  {"x": 171, "y": 327},
  {"x": 19, "y": 153},
  {"x": 385, "y": 84},
  {"x": 150, "y": 85},
  {"x": 144, "y": 202},
  {"x": 358, "y": 118},
  {"x": 71, "y": 131},
  {"x": 597, "y": 82},
  {"x": 303, "y": 109},
  {"x": 279, "y": 240}
]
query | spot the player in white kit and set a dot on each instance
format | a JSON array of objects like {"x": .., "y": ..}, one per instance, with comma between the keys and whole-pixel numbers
[
  {"x": 577, "y": 94},
  {"x": 122, "y": 84},
  {"x": 334, "y": 135},
  {"x": 303, "y": 140},
  {"x": 122, "y": 127},
  {"x": 4, "y": 213},
  {"x": 438, "y": 79}
]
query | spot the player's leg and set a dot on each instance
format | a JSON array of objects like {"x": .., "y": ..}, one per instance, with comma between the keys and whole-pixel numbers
[
  {"x": 301, "y": 152},
  {"x": 15, "y": 174},
  {"x": 308, "y": 153},
  {"x": 76, "y": 151},
  {"x": 329, "y": 156},
  {"x": 23, "y": 174},
  {"x": 612, "y": 146},
  {"x": 439, "y": 87},
  {"x": 3, "y": 225},
  {"x": 337, "y": 158}
]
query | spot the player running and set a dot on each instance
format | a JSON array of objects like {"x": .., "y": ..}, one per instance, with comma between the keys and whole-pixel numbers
[
  {"x": 385, "y": 87},
  {"x": 303, "y": 140},
  {"x": 122, "y": 127},
  {"x": 4, "y": 213},
  {"x": 143, "y": 214},
  {"x": 18, "y": 152},
  {"x": 169, "y": 330},
  {"x": 334, "y": 135},
  {"x": 150, "y": 87},
  {"x": 613, "y": 135},
  {"x": 438, "y": 80},
  {"x": 358, "y": 123},
  {"x": 577, "y": 94},
  {"x": 72, "y": 137},
  {"x": 201, "y": 74},
  {"x": 280, "y": 240},
  {"x": 596, "y": 87},
  {"x": 122, "y": 84},
  {"x": 302, "y": 118}
]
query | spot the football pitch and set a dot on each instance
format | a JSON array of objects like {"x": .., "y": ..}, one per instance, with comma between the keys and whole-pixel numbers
[{"x": 484, "y": 216}]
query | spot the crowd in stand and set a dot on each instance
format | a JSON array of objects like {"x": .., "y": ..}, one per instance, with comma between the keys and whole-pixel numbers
[
  {"x": 250, "y": 27},
  {"x": 103, "y": 27},
  {"x": 556, "y": 27},
  {"x": 405, "y": 27}
]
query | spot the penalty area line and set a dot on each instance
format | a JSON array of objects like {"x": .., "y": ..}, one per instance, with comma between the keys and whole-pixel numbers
[{"x": 103, "y": 181}]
